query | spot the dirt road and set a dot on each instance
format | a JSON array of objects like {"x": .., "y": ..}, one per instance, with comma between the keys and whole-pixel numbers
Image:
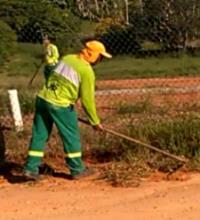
[{"x": 61, "y": 199}]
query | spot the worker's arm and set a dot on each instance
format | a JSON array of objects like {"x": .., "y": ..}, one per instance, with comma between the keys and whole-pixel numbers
[{"x": 87, "y": 95}]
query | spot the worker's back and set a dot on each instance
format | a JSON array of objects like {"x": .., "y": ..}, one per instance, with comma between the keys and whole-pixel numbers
[{"x": 62, "y": 87}]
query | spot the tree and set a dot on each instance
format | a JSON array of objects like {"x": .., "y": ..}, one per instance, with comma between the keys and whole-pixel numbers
[
  {"x": 35, "y": 18},
  {"x": 100, "y": 9},
  {"x": 172, "y": 22},
  {"x": 121, "y": 40}
]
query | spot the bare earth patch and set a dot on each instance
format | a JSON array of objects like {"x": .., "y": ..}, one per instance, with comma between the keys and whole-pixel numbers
[
  {"x": 56, "y": 198},
  {"x": 160, "y": 197}
]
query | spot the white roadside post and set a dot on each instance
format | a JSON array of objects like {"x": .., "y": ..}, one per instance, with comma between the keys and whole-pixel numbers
[{"x": 16, "y": 110}]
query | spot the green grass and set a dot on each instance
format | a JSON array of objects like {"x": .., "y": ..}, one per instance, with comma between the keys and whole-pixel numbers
[
  {"x": 27, "y": 56},
  {"x": 173, "y": 128},
  {"x": 24, "y": 61},
  {"x": 21, "y": 66},
  {"x": 136, "y": 107},
  {"x": 130, "y": 67},
  {"x": 125, "y": 161}
]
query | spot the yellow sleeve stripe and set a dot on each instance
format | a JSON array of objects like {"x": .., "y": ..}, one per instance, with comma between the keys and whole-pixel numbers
[
  {"x": 73, "y": 155},
  {"x": 36, "y": 153}
]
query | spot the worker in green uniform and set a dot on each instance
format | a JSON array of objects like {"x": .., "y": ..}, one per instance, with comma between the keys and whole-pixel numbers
[
  {"x": 73, "y": 78},
  {"x": 51, "y": 56}
]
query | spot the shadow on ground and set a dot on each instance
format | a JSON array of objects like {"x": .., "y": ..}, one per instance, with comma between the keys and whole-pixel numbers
[{"x": 13, "y": 172}]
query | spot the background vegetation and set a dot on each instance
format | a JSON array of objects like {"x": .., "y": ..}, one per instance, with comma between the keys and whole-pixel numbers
[{"x": 135, "y": 31}]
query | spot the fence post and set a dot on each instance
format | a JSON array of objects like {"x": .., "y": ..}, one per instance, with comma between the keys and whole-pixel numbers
[{"x": 16, "y": 111}]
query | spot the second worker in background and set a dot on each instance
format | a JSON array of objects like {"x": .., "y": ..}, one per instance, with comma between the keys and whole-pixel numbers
[{"x": 51, "y": 56}]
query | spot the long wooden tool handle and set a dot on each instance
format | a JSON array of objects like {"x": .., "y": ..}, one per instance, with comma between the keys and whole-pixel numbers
[
  {"x": 35, "y": 74},
  {"x": 140, "y": 143},
  {"x": 146, "y": 145}
]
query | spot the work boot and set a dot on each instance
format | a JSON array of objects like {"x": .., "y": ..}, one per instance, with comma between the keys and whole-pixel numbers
[
  {"x": 87, "y": 172},
  {"x": 30, "y": 176}
]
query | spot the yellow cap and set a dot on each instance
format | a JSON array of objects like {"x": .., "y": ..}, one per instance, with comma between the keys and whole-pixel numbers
[{"x": 98, "y": 47}]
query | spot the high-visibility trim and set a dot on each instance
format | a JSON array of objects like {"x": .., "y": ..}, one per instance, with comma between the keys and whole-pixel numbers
[
  {"x": 36, "y": 153},
  {"x": 68, "y": 73},
  {"x": 73, "y": 155}
]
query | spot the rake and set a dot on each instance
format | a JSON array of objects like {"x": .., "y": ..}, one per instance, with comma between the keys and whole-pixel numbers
[{"x": 136, "y": 141}]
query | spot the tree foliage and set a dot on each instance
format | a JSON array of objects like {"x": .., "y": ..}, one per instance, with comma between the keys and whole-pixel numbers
[
  {"x": 35, "y": 18},
  {"x": 122, "y": 24},
  {"x": 171, "y": 22}
]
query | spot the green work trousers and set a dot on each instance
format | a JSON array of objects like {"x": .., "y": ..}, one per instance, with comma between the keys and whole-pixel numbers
[
  {"x": 48, "y": 69},
  {"x": 65, "y": 119}
]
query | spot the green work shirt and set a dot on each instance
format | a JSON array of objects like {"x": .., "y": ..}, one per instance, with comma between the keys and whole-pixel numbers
[{"x": 73, "y": 78}]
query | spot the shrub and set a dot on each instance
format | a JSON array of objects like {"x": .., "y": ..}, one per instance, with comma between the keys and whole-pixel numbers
[{"x": 179, "y": 136}]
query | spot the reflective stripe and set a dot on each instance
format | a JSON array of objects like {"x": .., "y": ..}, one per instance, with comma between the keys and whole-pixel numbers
[
  {"x": 36, "y": 153},
  {"x": 73, "y": 155},
  {"x": 68, "y": 72}
]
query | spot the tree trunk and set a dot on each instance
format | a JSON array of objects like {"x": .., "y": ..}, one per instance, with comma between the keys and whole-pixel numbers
[
  {"x": 141, "y": 6},
  {"x": 126, "y": 12},
  {"x": 96, "y": 6}
]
